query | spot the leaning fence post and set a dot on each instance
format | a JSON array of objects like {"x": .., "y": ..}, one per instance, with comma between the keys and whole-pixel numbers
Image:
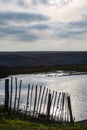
[
  {"x": 6, "y": 105},
  {"x": 35, "y": 100},
  {"x": 15, "y": 94},
  {"x": 19, "y": 95},
  {"x": 41, "y": 100},
  {"x": 49, "y": 106},
  {"x": 11, "y": 92},
  {"x": 70, "y": 109},
  {"x": 27, "y": 105}
]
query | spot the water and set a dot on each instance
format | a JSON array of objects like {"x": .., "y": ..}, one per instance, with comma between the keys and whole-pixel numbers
[{"x": 75, "y": 85}]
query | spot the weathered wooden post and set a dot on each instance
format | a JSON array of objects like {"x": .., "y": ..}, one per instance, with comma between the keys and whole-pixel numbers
[
  {"x": 15, "y": 94},
  {"x": 19, "y": 95},
  {"x": 27, "y": 105},
  {"x": 70, "y": 109},
  {"x": 45, "y": 100},
  {"x": 11, "y": 92},
  {"x": 49, "y": 106},
  {"x": 58, "y": 100},
  {"x": 38, "y": 103},
  {"x": 54, "y": 104},
  {"x": 41, "y": 100},
  {"x": 6, "y": 105},
  {"x": 35, "y": 100}
]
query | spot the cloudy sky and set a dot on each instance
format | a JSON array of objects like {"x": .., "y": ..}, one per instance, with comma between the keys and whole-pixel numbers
[{"x": 43, "y": 25}]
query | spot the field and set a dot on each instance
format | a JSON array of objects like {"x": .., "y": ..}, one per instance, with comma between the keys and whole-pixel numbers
[
  {"x": 6, "y": 71},
  {"x": 16, "y": 124},
  {"x": 16, "y": 121}
]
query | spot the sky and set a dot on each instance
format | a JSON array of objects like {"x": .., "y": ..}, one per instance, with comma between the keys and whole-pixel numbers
[{"x": 43, "y": 25}]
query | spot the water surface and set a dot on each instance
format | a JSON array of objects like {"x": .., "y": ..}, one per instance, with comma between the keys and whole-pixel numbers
[{"x": 75, "y": 85}]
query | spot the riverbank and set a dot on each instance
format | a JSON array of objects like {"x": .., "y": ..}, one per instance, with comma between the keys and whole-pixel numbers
[
  {"x": 17, "y": 124},
  {"x": 18, "y": 121},
  {"x": 6, "y": 71}
]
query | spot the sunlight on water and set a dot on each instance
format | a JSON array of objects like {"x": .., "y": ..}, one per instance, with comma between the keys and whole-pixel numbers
[{"x": 75, "y": 85}]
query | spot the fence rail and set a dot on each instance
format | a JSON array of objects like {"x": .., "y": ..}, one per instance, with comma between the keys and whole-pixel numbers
[{"x": 41, "y": 102}]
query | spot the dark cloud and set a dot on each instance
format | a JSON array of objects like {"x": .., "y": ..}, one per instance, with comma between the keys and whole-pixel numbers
[
  {"x": 18, "y": 33},
  {"x": 2, "y": 23},
  {"x": 39, "y": 27},
  {"x": 78, "y": 24},
  {"x": 11, "y": 25},
  {"x": 27, "y": 37},
  {"x": 22, "y": 3},
  {"x": 71, "y": 34},
  {"x": 22, "y": 17},
  {"x": 72, "y": 29},
  {"x": 12, "y": 30}
]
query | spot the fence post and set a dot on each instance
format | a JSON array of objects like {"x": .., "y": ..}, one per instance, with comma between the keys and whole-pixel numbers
[
  {"x": 15, "y": 94},
  {"x": 70, "y": 109},
  {"x": 38, "y": 103},
  {"x": 19, "y": 95},
  {"x": 45, "y": 100},
  {"x": 35, "y": 101},
  {"x": 49, "y": 106},
  {"x": 41, "y": 100},
  {"x": 11, "y": 92},
  {"x": 31, "y": 99},
  {"x": 54, "y": 104},
  {"x": 6, "y": 105}
]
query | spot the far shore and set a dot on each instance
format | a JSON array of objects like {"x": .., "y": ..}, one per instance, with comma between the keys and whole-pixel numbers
[{"x": 9, "y": 70}]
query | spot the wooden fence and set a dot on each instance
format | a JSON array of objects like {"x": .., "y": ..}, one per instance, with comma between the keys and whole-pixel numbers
[{"x": 41, "y": 102}]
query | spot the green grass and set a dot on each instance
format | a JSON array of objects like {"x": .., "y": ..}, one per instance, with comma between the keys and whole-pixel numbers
[
  {"x": 16, "y": 121},
  {"x": 9, "y": 124},
  {"x": 6, "y": 71}
]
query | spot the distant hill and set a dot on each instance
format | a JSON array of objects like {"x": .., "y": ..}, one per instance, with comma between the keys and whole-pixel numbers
[{"x": 34, "y": 59}]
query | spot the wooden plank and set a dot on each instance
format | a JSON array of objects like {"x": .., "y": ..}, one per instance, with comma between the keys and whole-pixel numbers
[
  {"x": 27, "y": 105},
  {"x": 52, "y": 95},
  {"x": 45, "y": 100},
  {"x": 19, "y": 95},
  {"x": 15, "y": 94},
  {"x": 6, "y": 105},
  {"x": 35, "y": 100},
  {"x": 52, "y": 98},
  {"x": 49, "y": 106},
  {"x": 58, "y": 103},
  {"x": 62, "y": 107},
  {"x": 41, "y": 100},
  {"x": 67, "y": 110},
  {"x": 11, "y": 92},
  {"x": 54, "y": 103},
  {"x": 39, "y": 97},
  {"x": 31, "y": 98},
  {"x": 70, "y": 109},
  {"x": 66, "y": 107},
  {"x": 61, "y": 103},
  {"x": 59, "y": 112}
]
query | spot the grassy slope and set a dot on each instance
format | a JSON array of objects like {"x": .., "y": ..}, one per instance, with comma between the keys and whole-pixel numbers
[
  {"x": 9, "y": 124},
  {"x": 5, "y": 71},
  {"x": 17, "y": 121}
]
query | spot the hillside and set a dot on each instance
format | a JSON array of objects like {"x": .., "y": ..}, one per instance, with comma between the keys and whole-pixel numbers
[{"x": 33, "y": 59}]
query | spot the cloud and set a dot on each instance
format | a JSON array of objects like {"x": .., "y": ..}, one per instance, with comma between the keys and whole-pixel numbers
[
  {"x": 78, "y": 24},
  {"x": 22, "y": 17},
  {"x": 27, "y": 37},
  {"x": 72, "y": 30},
  {"x": 2, "y": 23},
  {"x": 18, "y": 33},
  {"x": 39, "y": 27},
  {"x": 52, "y": 2},
  {"x": 22, "y": 3}
]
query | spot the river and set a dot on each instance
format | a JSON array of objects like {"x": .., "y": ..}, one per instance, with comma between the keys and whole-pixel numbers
[{"x": 73, "y": 83}]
